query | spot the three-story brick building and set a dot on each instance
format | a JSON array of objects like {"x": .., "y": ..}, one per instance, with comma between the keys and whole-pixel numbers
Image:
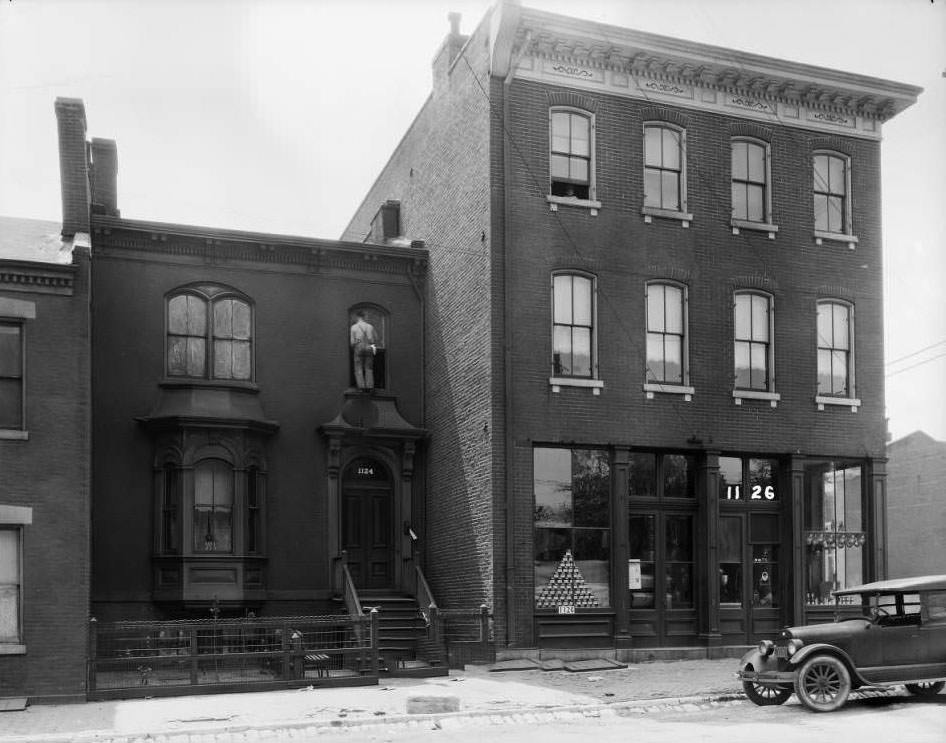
[{"x": 654, "y": 331}]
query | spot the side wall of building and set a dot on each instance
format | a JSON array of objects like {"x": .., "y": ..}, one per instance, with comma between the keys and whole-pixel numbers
[
  {"x": 440, "y": 173},
  {"x": 47, "y": 471}
]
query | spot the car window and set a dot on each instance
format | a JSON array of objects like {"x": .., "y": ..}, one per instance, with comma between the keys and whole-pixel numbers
[
  {"x": 935, "y": 607},
  {"x": 911, "y": 603}
]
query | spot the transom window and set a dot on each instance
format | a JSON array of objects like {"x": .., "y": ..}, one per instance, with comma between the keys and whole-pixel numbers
[
  {"x": 664, "y": 167},
  {"x": 11, "y": 375},
  {"x": 209, "y": 334},
  {"x": 573, "y": 310},
  {"x": 752, "y": 321},
  {"x": 835, "y": 358},
  {"x": 571, "y": 164},
  {"x": 666, "y": 333},
  {"x": 750, "y": 180},
  {"x": 832, "y": 193}
]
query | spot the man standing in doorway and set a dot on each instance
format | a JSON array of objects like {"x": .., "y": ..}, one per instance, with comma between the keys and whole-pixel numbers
[{"x": 363, "y": 339}]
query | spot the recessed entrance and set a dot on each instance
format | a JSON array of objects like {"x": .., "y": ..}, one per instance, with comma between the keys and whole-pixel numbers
[{"x": 367, "y": 523}]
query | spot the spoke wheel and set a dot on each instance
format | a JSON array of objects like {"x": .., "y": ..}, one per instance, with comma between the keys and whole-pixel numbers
[
  {"x": 766, "y": 695},
  {"x": 823, "y": 683},
  {"x": 926, "y": 688}
]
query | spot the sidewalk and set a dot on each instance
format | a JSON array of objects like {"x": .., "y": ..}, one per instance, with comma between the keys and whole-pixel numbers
[{"x": 476, "y": 692}]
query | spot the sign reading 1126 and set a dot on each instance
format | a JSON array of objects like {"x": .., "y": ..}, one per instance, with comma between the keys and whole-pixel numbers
[{"x": 734, "y": 492}]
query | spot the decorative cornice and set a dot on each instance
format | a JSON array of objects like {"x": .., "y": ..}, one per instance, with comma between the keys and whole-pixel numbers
[
  {"x": 218, "y": 247},
  {"x": 38, "y": 278},
  {"x": 618, "y": 61}
]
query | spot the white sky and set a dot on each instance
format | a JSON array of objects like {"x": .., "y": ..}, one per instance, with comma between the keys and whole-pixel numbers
[{"x": 276, "y": 116}]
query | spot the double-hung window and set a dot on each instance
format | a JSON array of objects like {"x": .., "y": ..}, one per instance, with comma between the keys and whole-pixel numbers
[
  {"x": 11, "y": 376},
  {"x": 751, "y": 185},
  {"x": 209, "y": 334},
  {"x": 664, "y": 170},
  {"x": 571, "y": 154},
  {"x": 667, "y": 368},
  {"x": 573, "y": 328},
  {"x": 836, "y": 353},
  {"x": 832, "y": 197},
  {"x": 11, "y": 597},
  {"x": 753, "y": 350}
]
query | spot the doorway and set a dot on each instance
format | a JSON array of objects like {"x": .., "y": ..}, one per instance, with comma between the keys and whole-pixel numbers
[
  {"x": 751, "y": 589},
  {"x": 368, "y": 523}
]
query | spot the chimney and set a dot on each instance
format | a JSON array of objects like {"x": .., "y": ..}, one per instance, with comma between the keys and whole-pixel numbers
[
  {"x": 104, "y": 177},
  {"x": 447, "y": 54},
  {"x": 386, "y": 225},
  {"x": 73, "y": 166}
]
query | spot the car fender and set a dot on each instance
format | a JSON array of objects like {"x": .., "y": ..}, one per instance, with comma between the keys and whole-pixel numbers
[{"x": 826, "y": 649}]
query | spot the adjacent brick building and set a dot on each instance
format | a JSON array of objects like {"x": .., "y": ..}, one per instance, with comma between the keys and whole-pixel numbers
[
  {"x": 44, "y": 460},
  {"x": 654, "y": 331},
  {"x": 916, "y": 503}
]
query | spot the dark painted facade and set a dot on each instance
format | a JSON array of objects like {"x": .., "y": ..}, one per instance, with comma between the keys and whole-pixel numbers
[
  {"x": 655, "y": 295},
  {"x": 235, "y": 463},
  {"x": 44, "y": 460}
]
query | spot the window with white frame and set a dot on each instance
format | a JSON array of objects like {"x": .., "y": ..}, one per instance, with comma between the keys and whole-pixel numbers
[
  {"x": 571, "y": 153},
  {"x": 11, "y": 571},
  {"x": 664, "y": 167},
  {"x": 752, "y": 337},
  {"x": 835, "y": 349},
  {"x": 209, "y": 334},
  {"x": 573, "y": 325},
  {"x": 751, "y": 193},
  {"x": 832, "y": 193},
  {"x": 11, "y": 375},
  {"x": 666, "y": 333}
]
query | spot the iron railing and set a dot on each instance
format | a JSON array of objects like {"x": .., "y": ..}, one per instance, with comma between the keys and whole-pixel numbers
[
  {"x": 467, "y": 635},
  {"x": 153, "y": 658}
]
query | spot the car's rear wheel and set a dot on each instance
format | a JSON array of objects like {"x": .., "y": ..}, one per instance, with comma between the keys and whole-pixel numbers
[
  {"x": 823, "y": 683},
  {"x": 766, "y": 695},
  {"x": 926, "y": 688}
]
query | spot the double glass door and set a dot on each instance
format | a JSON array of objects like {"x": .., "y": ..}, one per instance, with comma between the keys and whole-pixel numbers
[{"x": 751, "y": 588}]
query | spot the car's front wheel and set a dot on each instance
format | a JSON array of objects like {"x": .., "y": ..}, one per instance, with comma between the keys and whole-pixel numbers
[
  {"x": 926, "y": 688},
  {"x": 766, "y": 695},
  {"x": 823, "y": 683}
]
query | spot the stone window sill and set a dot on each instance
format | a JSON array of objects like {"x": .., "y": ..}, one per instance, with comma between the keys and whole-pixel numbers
[
  {"x": 595, "y": 385},
  {"x": 852, "y": 402},
  {"x": 555, "y": 201},
  {"x": 772, "y": 397},
  {"x": 670, "y": 389},
  {"x": 650, "y": 212},
  {"x": 12, "y": 648},
  {"x": 744, "y": 224},
  {"x": 837, "y": 237},
  {"x": 13, "y": 434}
]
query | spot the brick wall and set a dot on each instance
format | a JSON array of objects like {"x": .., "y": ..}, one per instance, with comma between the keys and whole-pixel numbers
[
  {"x": 441, "y": 174},
  {"x": 49, "y": 472}
]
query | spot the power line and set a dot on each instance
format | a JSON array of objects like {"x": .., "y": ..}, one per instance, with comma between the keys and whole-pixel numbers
[
  {"x": 915, "y": 353},
  {"x": 918, "y": 363}
]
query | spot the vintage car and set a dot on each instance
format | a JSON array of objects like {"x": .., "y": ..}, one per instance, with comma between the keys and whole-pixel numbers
[{"x": 899, "y": 638}]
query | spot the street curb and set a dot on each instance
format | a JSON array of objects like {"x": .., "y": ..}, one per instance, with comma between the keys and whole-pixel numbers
[{"x": 234, "y": 733}]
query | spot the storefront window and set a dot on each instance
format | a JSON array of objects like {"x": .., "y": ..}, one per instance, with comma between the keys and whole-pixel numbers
[
  {"x": 572, "y": 528},
  {"x": 834, "y": 529},
  {"x": 748, "y": 479},
  {"x": 730, "y": 560}
]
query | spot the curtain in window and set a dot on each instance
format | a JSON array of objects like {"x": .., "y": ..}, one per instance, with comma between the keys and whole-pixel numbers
[{"x": 213, "y": 507}]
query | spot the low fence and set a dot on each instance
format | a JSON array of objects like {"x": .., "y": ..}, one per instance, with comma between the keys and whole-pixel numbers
[
  {"x": 136, "y": 659},
  {"x": 467, "y": 635}
]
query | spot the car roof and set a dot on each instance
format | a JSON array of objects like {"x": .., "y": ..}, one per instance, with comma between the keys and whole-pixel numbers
[{"x": 898, "y": 585}]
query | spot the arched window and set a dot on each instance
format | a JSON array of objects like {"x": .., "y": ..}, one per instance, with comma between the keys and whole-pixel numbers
[
  {"x": 751, "y": 196},
  {"x": 571, "y": 153},
  {"x": 752, "y": 339},
  {"x": 835, "y": 349},
  {"x": 209, "y": 334},
  {"x": 378, "y": 319},
  {"x": 664, "y": 167},
  {"x": 573, "y": 325},
  {"x": 666, "y": 333},
  {"x": 832, "y": 193}
]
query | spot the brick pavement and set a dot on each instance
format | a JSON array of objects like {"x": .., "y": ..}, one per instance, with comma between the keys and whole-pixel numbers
[{"x": 478, "y": 694}]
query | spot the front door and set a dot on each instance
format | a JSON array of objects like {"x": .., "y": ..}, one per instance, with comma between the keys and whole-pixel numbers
[{"x": 368, "y": 523}]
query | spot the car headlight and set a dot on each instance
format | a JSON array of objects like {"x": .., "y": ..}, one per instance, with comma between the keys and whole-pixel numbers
[
  {"x": 766, "y": 648},
  {"x": 794, "y": 645}
]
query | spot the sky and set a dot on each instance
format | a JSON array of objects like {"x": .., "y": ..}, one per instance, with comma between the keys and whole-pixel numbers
[{"x": 276, "y": 116}]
